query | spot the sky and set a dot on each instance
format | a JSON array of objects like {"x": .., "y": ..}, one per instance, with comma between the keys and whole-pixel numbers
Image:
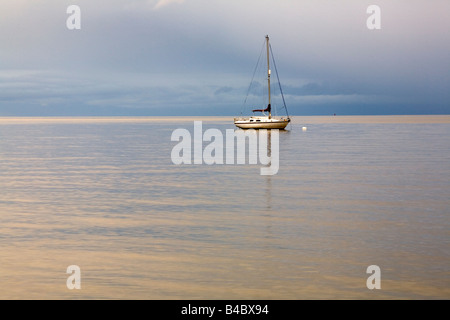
[{"x": 196, "y": 57}]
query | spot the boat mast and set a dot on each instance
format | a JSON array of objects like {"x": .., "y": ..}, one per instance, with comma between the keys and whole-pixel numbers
[{"x": 268, "y": 73}]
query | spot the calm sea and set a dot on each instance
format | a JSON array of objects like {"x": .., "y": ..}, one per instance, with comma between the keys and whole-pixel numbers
[{"x": 103, "y": 194}]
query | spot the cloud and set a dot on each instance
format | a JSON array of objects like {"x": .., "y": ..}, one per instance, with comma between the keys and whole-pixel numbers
[
  {"x": 154, "y": 54},
  {"x": 56, "y": 92},
  {"x": 163, "y": 3}
]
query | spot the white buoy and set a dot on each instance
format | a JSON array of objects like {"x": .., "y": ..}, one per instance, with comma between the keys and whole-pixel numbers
[{"x": 304, "y": 128}]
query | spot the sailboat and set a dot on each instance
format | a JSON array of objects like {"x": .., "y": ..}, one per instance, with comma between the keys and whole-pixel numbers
[{"x": 266, "y": 120}]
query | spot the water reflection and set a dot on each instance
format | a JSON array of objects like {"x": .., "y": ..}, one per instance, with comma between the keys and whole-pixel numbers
[{"x": 105, "y": 195}]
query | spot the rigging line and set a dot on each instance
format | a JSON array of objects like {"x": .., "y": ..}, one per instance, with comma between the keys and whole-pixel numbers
[
  {"x": 279, "y": 83},
  {"x": 253, "y": 77}
]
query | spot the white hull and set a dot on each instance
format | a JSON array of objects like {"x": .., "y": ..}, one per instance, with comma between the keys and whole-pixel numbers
[
  {"x": 261, "y": 123},
  {"x": 265, "y": 121}
]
